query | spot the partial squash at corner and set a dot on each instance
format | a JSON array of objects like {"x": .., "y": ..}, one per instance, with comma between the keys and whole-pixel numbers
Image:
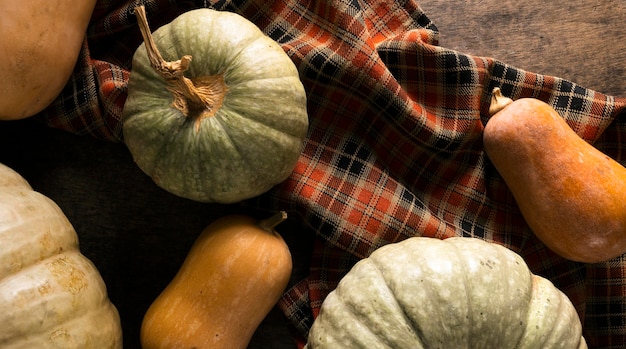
[{"x": 40, "y": 41}]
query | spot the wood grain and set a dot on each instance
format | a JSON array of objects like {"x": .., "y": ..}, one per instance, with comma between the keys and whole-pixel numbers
[{"x": 581, "y": 41}]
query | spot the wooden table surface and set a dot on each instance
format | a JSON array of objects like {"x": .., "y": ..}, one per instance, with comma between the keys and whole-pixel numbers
[
  {"x": 578, "y": 40},
  {"x": 582, "y": 41}
]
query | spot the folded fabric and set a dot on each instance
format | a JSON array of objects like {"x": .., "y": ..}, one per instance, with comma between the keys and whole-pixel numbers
[{"x": 394, "y": 148}]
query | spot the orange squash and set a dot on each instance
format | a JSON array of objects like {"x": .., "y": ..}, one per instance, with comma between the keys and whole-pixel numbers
[
  {"x": 232, "y": 277},
  {"x": 39, "y": 44},
  {"x": 572, "y": 195}
]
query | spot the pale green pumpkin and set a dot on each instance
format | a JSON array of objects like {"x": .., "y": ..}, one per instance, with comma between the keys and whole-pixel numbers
[
  {"x": 454, "y": 293},
  {"x": 233, "y": 127}
]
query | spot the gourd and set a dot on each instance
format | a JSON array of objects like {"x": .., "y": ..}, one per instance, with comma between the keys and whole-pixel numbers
[
  {"x": 51, "y": 295},
  {"x": 570, "y": 193},
  {"x": 39, "y": 45},
  {"x": 459, "y": 292},
  {"x": 231, "y": 278},
  {"x": 216, "y": 111}
]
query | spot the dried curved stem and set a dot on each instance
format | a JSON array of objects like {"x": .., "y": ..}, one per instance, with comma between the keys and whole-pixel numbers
[{"x": 189, "y": 98}]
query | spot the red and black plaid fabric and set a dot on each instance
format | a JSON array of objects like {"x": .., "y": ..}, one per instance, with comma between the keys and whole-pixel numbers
[{"x": 394, "y": 148}]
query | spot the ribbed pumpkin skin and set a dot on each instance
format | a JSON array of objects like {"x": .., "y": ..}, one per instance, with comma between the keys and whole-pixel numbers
[
  {"x": 51, "y": 295},
  {"x": 453, "y": 293},
  {"x": 253, "y": 140}
]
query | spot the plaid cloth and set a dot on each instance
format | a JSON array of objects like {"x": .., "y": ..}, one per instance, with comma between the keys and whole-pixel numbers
[{"x": 394, "y": 148}]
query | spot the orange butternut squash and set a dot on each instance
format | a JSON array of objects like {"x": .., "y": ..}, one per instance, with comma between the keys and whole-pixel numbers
[
  {"x": 39, "y": 44},
  {"x": 572, "y": 195},
  {"x": 232, "y": 277}
]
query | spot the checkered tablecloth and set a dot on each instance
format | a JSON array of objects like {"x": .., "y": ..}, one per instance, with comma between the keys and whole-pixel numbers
[{"x": 394, "y": 148}]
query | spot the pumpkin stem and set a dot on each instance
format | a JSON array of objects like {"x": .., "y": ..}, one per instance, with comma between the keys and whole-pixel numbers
[
  {"x": 192, "y": 100},
  {"x": 270, "y": 223},
  {"x": 498, "y": 101}
]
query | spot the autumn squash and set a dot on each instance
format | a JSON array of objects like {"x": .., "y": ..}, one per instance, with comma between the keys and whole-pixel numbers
[
  {"x": 570, "y": 193},
  {"x": 39, "y": 45},
  {"x": 231, "y": 278},
  {"x": 216, "y": 111},
  {"x": 459, "y": 292},
  {"x": 51, "y": 295}
]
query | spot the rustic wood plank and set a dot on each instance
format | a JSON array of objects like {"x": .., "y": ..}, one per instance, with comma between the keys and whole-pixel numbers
[{"x": 581, "y": 41}]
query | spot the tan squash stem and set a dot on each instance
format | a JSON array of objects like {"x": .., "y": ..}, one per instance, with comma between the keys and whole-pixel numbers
[
  {"x": 270, "y": 223},
  {"x": 192, "y": 100},
  {"x": 498, "y": 101}
]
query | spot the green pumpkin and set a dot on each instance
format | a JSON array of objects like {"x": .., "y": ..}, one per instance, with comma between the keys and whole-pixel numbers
[
  {"x": 454, "y": 293},
  {"x": 223, "y": 116}
]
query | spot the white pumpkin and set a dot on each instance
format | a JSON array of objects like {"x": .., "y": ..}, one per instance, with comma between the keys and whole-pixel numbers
[
  {"x": 51, "y": 296},
  {"x": 454, "y": 293}
]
